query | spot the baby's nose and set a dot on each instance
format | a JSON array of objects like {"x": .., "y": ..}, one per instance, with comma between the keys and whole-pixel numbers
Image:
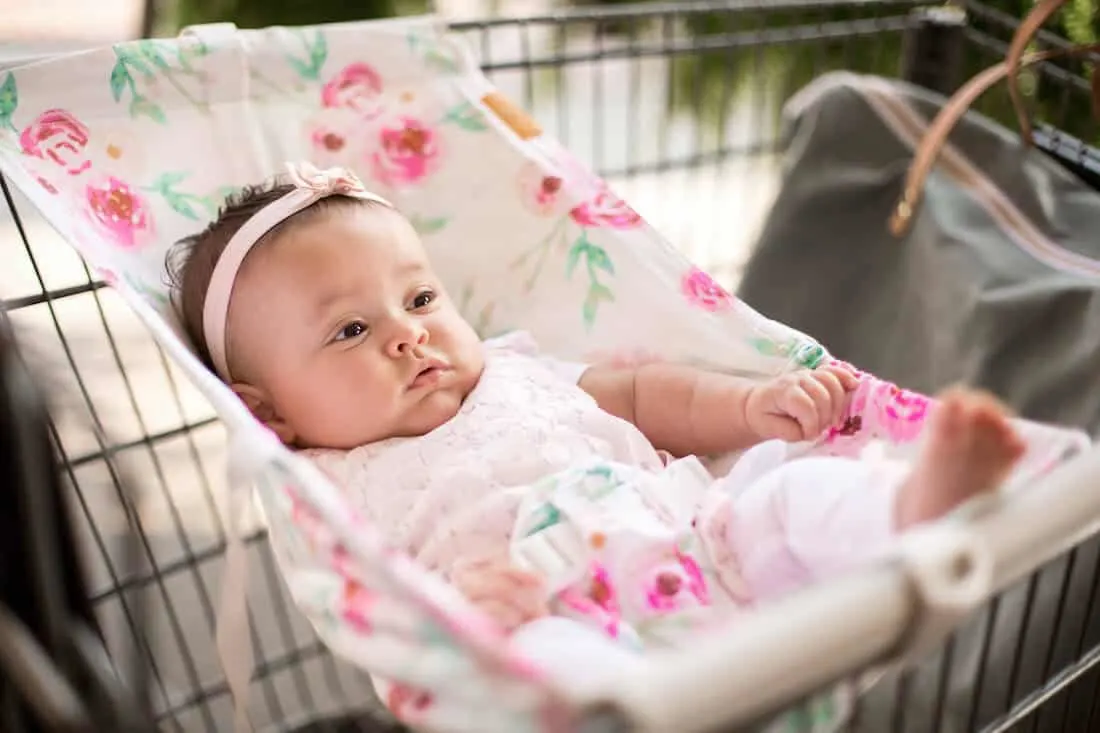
[{"x": 406, "y": 338}]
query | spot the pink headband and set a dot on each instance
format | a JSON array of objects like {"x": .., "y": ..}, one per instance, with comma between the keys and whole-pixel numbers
[{"x": 310, "y": 185}]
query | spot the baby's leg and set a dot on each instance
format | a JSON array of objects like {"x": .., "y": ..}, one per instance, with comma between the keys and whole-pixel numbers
[
  {"x": 809, "y": 520},
  {"x": 812, "y": 518},
  {"x": 969, "y": 448}
]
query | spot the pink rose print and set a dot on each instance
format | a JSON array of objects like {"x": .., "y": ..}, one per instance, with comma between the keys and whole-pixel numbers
[
  {"x": 541, "y": 191},
  {"x": 407, "y": 703},
  {"x": 119, "y": 212},
  {"x": 901, "y": 412},
  {"x": 599, "y": 601},
  {"x": 703, "y": 292},
  {"x": 407, "y": 152},
  {"x": 545, "y": 190},
  {"x": 357, "y": 606},
  {"x": 336, "y": 138},
  {"x": 677, "y": 584},
  {"x": 605, "y": 209},
  {"x": 328, "y": 140},
  {"x": 309, "y": 524},
  {"x": 881, "y": 409},
  {"x": 357, "y": 87},
  {"x": 57, "y": 136}
]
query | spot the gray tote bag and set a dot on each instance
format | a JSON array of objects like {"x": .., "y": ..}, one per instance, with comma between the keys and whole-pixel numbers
[{"x": 994, "y": 281}]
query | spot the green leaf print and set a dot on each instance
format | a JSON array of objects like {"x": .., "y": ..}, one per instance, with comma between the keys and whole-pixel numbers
[
  {"x": 430, "y": 225},
  {"x": 302, "y": 68},
  {"x": 599, "y": 483},
  {"x": 149, "y": 59},
  {"x": 169, "y": 179},
  {"x": 120, "y": 80},
  {"x": 597, "y": 293},
  {"x": 809, "y": 355},
  {"x": 9, "y": 101},
  {"x": 467, "y": 116},
  {"x": 316, "y": 55},
  {"x": 128, "y": 57},
  {"x": 575, "y": 255},
  {"x": 588, "y": 309},
  {"x": 548, "y": 515},
  {"x": 148, "y": 50},
  {"x": 601, "y": 293},
  {"x": 427, "y": 48},
  {"x": 596, "y": 261},
  {"x": 180, "y": 205},
  {"x": 184, "y": 204},
  {"x": 767, "y": 347},
  {"x": 142, "y": 107},
  {"x": 597, "y": 258}
]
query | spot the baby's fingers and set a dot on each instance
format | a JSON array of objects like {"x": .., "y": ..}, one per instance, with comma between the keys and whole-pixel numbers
[
  {"x": 846, "y": 377},
  {"x": 822, "y": 397},
  {"x": 838, "y": 396},
  {"x": 800, "y": 406}
]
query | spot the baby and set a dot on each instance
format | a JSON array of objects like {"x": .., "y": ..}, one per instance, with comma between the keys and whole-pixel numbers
[{"x": 537, "y": 486}]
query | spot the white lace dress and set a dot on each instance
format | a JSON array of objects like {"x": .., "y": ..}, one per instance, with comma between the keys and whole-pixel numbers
[{"x": 533, "y": 470}]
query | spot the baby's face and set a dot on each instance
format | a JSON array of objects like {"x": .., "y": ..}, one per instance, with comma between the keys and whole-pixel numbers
[{"x": 343, "y": 325}]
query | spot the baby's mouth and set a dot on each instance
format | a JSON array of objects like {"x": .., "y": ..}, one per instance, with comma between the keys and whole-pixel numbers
[{"x": 429, "y": 374}]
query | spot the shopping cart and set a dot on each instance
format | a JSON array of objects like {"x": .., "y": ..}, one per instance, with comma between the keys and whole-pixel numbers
[{"x": 653, "y": 71}]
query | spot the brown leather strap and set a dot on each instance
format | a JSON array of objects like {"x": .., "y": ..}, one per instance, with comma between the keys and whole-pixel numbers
[
  {"x": 929, "y": 149},
  {"x": 1024, "y": 34}
]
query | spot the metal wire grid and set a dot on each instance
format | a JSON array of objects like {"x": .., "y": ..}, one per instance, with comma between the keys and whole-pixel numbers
[{"x": 599, "y": 80}]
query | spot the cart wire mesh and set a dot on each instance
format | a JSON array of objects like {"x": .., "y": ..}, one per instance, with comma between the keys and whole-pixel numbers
[{"x": 678, "y": 105}]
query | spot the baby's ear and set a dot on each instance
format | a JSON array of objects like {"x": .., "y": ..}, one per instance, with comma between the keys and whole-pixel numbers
[{"x": 259, "y": 404}]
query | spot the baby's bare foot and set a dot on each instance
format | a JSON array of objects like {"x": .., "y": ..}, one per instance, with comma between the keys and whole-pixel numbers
[{"x": 970, "y": 448}]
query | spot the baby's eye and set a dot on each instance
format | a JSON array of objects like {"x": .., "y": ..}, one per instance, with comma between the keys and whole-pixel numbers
[
  {"x": 350, "y": 331},
  {"x": 422, "y": 300}
]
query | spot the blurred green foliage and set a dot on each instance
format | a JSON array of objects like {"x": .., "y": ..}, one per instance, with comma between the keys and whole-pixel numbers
[
  {"x": 703, "y": 82},
  {"x": 175, "y": 14}
]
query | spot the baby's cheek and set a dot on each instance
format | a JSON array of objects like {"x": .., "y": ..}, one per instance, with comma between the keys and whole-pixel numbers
[{"x": 338, "y": 410}]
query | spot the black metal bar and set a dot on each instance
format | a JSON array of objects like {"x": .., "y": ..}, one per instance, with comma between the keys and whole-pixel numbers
[
  {"x": 1030, "y": 704},
  {"x": 946, "y": 666},
  {"x": 14, "y": 304},
  {"x": 842, "y": 30},
  {"x": 640, "y": 11},
  {"x": 1017, "y": 658},
  {"x": 263, "y": 670},
  {"x": 904, "y": 686},
  {"x": 98, "y": 432},
  {"x": 144, "y": 441},
  {"x": 1048, "y": 668}
]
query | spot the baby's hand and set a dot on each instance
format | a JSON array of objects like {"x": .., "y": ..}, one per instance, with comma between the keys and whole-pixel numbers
[
  {"x": 801, "y": 405},
  {"x": 511, "y": 597}
]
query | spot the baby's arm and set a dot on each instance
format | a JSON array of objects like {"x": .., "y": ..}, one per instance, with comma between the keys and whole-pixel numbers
[{"x": 689, "y": 411}]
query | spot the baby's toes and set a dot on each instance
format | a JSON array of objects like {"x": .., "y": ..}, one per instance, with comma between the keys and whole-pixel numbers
[
  {"x": 950, "y": 415},
  {"x": 992, "y": 429}
]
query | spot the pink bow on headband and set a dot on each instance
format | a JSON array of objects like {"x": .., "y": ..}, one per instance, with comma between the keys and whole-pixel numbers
[{"x": 330, "y": 181}]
